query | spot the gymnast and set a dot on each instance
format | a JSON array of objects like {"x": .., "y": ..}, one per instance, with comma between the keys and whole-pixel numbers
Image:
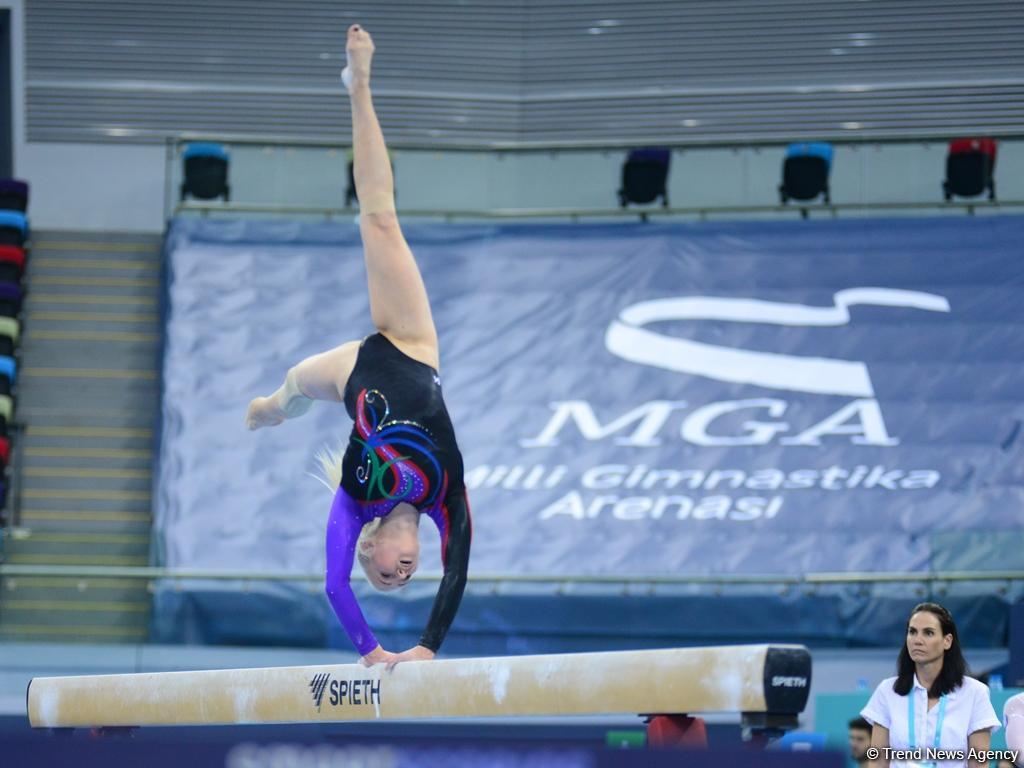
[{"x": 401, "y": 460}]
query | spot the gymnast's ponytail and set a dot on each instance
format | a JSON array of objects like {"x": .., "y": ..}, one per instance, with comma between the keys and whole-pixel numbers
[{"x": 328, "y": 461}]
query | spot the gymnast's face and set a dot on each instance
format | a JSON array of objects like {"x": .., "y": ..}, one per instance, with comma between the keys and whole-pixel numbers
[{"x": 393, "y": 560}]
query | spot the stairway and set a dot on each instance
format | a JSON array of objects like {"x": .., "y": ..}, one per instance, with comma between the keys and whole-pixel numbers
[{"x": 88, "y": 395}]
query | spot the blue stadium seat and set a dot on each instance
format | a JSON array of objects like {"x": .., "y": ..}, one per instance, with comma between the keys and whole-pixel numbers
[
  {"x": 205, "y": 172},
  {"x": 805, "y": 171},
  {"x": 8, "y": 374},
  {"x": 13, "y": 228}
]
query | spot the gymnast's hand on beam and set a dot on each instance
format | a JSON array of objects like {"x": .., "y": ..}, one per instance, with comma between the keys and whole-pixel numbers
[
  {"x": 378, "y": 656},
  {"x": 419, "y": 653}
]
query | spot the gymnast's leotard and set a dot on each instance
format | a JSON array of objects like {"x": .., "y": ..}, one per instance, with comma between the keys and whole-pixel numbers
[{"x": 402, "y": 448}]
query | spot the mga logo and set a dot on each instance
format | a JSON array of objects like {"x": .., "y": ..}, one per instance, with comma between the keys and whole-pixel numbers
[
  {"x": 630, "y": 338},
  {"x": 318, "y": 685}
]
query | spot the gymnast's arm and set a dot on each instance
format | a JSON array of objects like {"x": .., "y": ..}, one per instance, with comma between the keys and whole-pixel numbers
[
  {"x": 455, "y": 556},
  {"x": 342, "y": 535},
  {"x": 318, "y": 377}
]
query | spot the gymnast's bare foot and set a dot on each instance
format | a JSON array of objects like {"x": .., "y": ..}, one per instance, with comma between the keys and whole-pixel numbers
[
  {"x": 263, "y": 412},
  {"x": 359, "y": 50}
]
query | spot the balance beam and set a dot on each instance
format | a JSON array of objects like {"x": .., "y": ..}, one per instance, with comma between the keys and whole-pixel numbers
[{"x": 750, "y": 679}]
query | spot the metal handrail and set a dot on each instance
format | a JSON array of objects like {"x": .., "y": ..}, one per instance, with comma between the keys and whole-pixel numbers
[
  {"x": 584, "y": 145},
  {"x": 822, "y": 578},
  {"x": 549, "y": 213}
]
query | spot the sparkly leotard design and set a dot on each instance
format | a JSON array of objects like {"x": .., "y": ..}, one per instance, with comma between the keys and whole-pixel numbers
[
  {"x": 382, "y": 439},
  {"x": 401, "y": 449}
]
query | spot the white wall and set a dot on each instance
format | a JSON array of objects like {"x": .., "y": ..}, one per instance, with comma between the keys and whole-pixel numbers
[
  {"x": 82, "y": 186},
  {"x": 93, "y": 186}
]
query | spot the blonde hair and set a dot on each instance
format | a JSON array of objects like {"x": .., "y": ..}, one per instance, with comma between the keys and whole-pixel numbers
[{"x": 329, "y": 462}]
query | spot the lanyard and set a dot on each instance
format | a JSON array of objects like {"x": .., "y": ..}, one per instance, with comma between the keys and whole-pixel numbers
[{"x": 938, "y": 723}]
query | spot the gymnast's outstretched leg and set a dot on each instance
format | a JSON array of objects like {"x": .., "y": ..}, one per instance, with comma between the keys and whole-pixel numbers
[{"x": 399, "y": 306}]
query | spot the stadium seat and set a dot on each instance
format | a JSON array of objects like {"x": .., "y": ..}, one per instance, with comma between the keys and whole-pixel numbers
[
  {"x": 645, "y": 176},
  {"x": 350, "y": 190},
  {"x": 10, "y": 330},
  {"x": 8, "y": 374},
  {"x": 13, "y": 195},
  {"x": 805, "y": 172},
  {"x": 6, "y": 413},
  {"x": 13, "y": 228},
  {"x": 970, "y": 168},
  {"x": 12, "y": 263},
  {"x": 205, "y": 172},
  {"x": 11, "y": 296}
]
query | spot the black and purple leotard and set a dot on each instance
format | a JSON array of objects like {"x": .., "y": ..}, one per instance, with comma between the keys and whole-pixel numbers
[{"x": 402, "y": 449}]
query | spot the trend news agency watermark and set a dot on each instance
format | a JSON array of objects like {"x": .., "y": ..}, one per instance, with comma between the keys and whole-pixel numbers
[{"x": 930, "y": 754}]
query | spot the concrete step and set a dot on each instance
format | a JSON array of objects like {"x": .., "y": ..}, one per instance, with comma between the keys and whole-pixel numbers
[
  {"x": 71, "y": 290},
  {"x": 91, "y": 387},
  {"x": 141, "y": 525},
  {"x": 46, "y": 330},
  {"x": 50, "y": 301},
  {"x": 12, "y": 632},
  {"x": 63, "y": 558},
  {"x": 41, "y": 609},
  {"x": 93, "y": 423},
  {"x": 124, "y": 284},
  {"x": 67, "y": 456},
  {"x": 94, "y": 334},
  {"x": 92, "y": 500},
  {"x": 64, "y": 548},
  {"x": 89, "y": 397},
  {"x": 102, "y": 518},
  {"x": 130, "y": 274},
  {"x": 93, "y": 243},
  {"x": 96, "y": 355},
  {"x": 77, "y": 471},
  {"x": 93, "y": 266},
  {"x": 97, "y": 315},
  {"x": 84, "y": 542},
  {"x": 67, "y": 588},
  {"x": 37, "y": 620}
]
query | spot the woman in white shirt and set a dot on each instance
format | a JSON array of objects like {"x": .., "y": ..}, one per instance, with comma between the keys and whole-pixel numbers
[
  {"x": 1013, "y": 715},
  {"x": 931, "y": 704}
]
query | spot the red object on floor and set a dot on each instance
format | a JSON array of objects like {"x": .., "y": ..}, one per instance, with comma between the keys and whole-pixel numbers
[{"x": 677, "y": 731}]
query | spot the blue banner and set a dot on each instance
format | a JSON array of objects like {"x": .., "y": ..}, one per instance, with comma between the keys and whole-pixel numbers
[{"x": 630, "y": 400}]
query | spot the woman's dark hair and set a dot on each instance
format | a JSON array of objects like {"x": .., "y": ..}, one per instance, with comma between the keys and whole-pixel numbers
[{"x": 954, "y": 667}]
